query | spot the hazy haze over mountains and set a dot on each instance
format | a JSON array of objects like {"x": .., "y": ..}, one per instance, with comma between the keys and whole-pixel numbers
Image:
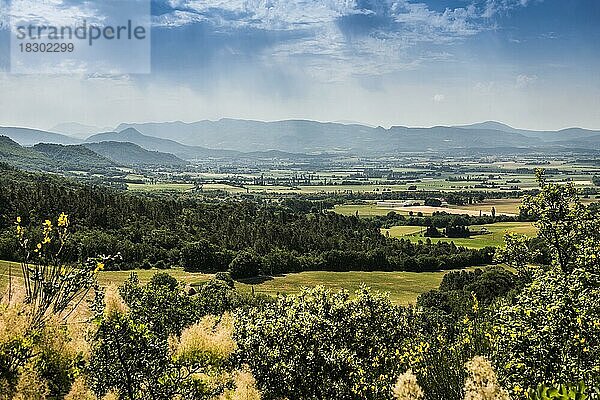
[
  {"x": 235, "y": 138},
  {"x": 301, "y": 136}
]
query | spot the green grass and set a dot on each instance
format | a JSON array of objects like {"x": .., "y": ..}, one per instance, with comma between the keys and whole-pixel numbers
[
  {"x": 172, "y": 187},
  {"x": 364, "y": 210},
  {"x": 502, "y": 206},
  {"x": 403, "y": 287},
  {"x": 107, "y": 278},
  {"x": 495, "y": 237}
]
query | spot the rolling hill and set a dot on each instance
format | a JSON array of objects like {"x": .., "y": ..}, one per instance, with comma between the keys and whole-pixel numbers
[
  {"x": 131, "y": 154},
  {"x": 159, "y": 144},
  {"x": 75, "y": 157},
  {"x": 29, "y": 137},
  {"x": 51, "y": 157},
  {"x": 14, "y": 154}
]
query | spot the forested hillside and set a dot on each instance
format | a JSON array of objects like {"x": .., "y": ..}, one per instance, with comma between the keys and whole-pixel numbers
[{"x": 250, "y": 237}]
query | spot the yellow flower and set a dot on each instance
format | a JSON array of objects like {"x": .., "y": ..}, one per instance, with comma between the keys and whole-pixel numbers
[
  {"x": 63, "y": 220},
  {"x": 517, "y": 389},
  {"x": 39, "y": 246},
  {"x": 475, "y": 303},
  {"x": 18, "y": 220},
  {"x": 99, "y": 267},
  {"x": 46, "y": 240}
]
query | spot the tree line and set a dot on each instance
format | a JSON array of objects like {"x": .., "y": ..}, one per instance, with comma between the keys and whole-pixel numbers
[{"x": 248, "y": 237}]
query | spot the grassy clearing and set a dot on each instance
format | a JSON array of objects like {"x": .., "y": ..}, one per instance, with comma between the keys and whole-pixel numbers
[
  {"x": 159, "y": 187},
  {"x": 403, "y": 287},
  {"x": 107, "y": 278},
  {"x": 364, "y": 210},
  {"x": 502, "y": 206},
  {"x": 495, "y": 237}
]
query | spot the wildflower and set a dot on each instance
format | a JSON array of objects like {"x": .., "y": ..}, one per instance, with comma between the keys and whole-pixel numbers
[
  {"x": 18, "y": 220},
  {"x": 99, "y": 267},
  {"x": 475, "y": 303},
  {"x": 517, "y": 389},
  {"x": 407, "y": 387},
  {"x": 63, "y": 220},
  {"x": 482, "y": 383}
]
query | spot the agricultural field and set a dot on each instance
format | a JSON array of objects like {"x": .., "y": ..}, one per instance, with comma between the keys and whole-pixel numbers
[
  {"x": 158, "y": 187},
  {"x": 494, "y": 237},
  {"x": 502, "y": 206},
  {"x": 403, "y": 287}
]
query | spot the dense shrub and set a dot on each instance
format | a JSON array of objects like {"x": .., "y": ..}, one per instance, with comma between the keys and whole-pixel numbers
[
  {"x": 324, "y": 345},
  {"x": 246, "y": 264}
]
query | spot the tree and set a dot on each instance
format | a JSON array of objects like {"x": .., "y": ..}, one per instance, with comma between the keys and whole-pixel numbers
[
  {"x": 246, "y": 264},
  {"x": 550, "y": 331},
  {"x": 324, "y": 345}
]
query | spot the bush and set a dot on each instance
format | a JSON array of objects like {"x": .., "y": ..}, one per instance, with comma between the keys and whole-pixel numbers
[
  {"x": 324, "y": 345},
  {"x": 246, "y": 264}
]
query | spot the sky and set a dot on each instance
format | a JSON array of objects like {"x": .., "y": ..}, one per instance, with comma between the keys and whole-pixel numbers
[{"x": 528, "y": 63}]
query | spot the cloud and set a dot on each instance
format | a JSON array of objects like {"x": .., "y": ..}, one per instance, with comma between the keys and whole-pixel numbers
[
  {"x": 524, "y": 81},
  {"x": 439, "y": 98},
  {"x": 334, "y": 39},
  {"x": 495, "y": 7}
]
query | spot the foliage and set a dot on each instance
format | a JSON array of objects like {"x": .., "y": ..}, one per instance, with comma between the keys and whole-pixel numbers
[
  {"x": 320, "y": 344},
  {"x": 35, "y": 359},
  {"x": 159, "y": 357},
  {"x": 246, "y": 264},
  {"x": 577, "y": 391},
  {"x": 166, "y": 230},
  {"x": 162, "y": 304},
  {"x": 51, "y": 285},
  {"x": 550, "y": 332}
]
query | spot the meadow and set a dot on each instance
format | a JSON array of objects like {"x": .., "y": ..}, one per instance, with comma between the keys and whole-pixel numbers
[
  {"x": 403, "y": 287},
  {"x": 495, "y": 237},
  {"x": 503, "y": 206}
]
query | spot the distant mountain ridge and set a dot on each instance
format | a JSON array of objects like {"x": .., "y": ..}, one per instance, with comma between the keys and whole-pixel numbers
[
  {"x": 125, "y": 153},
  {"x": 303, "y": 136},
  {"x": 152, "y": 143},
  {"x": 29, "y": 137},
  {"x": 76, "y": 130},
  {"x": 293, "y": 139}
]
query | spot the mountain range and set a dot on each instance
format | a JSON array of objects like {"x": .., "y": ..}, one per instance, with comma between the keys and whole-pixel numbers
[
  {"x": 301, "y": 136},
  {"x": 234, "y": 139}
]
